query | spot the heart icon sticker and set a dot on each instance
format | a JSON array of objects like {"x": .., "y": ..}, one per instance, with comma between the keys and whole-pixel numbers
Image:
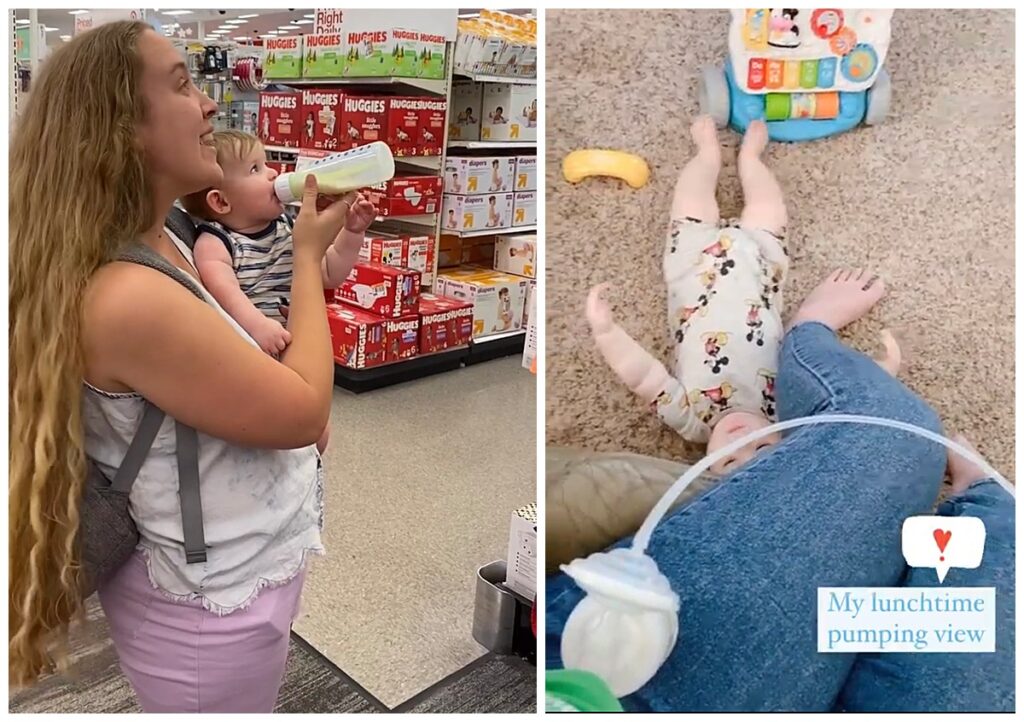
[{"x": 942, "y": 538}]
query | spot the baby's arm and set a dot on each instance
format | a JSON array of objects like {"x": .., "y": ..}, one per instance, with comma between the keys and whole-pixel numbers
[
  {"x": 218, "y": 276},
  {"x": 642, "y": 373},
  {"x": 342, "y": 255}
]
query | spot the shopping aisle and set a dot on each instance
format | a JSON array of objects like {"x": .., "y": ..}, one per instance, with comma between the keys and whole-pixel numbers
[{"x": 420, "y": 481}]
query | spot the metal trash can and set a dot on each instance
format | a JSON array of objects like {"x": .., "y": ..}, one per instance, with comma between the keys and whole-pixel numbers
[{"x": 494, "y": 612}]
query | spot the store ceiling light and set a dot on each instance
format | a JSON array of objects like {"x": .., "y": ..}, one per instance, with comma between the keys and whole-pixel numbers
[
  {"x": 76, "y": 12},
  {"x": 309, "y": 16},
  {"x": 49, "y": 30},
  {"x": 22, "y": 22},
  {"x": 235, "y": 22},
  {"x": 177, "y": 12},
  {"x": 253, "y": 15},
  {"x": 289, "y": 27},
  {"x": 65, "y": 38}
]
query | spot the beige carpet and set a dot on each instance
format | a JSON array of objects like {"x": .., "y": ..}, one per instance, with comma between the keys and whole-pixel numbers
[
  {"x": 422, "y": 479},
  {"x": 925, "y": 199}
]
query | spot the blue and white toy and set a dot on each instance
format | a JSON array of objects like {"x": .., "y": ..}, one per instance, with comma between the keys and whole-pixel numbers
[{"x": 809, "y": 73}]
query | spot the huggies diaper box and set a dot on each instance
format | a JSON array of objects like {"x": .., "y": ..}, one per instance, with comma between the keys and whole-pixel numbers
[
  {"x": 381, "y": 290},
  {"x": 413, "y": 252},
  {"x": 407, "y": 195},
  {"x": 476, "y": 176},
  {"x": 433, "y": 114},
  {"x": 324, "y": 56},
  {"x": 474, "y": 213},
  {"x": 444, "y": 323},
  {"x": 404, "y": 125},
  {"x": 357, "y": 337},
  {"x": 321, "y": 118},
  {"x": 364, "y": 119},
  {"x": 282, "y": 57},
  {"x": 417, "y": 54},
  {"x": 516, "y": 254},
  {"x": 401, "y": 338},
  {"x": 279, "y": 119},
  {"x": 369, "y": 53},
  {"x": 498, "y": 299}
]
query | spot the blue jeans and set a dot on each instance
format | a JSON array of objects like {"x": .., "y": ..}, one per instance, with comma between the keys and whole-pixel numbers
[{"x": 823, "y": 508}]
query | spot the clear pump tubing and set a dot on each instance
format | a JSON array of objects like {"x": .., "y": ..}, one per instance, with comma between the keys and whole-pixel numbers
[{"x": 643, "y": 536}]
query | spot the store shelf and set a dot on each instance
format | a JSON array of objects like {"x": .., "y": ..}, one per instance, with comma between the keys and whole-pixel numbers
[
  {"x": 437, "y": 87},
  {"x": 497, "y": 346},
  {"x": 490, "y": 232},
  {"x": 429, "y": 162},
  {"x": 418, "y": 367},
  {"x": 426, "y": 219},
  {"x": 281, "y": 149},
  {"x": 491, "y": 144},
  {"x": 482, "y": 78}
]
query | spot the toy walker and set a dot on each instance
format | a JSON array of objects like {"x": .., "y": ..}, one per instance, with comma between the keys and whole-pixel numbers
[{"x": 809, "y": 73}]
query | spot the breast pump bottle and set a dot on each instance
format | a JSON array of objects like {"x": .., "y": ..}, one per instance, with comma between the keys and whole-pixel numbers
[{"x": 340, "y": 173}]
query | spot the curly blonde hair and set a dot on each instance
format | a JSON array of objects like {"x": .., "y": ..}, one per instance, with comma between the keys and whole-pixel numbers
[{"x": 78, "y": 192}]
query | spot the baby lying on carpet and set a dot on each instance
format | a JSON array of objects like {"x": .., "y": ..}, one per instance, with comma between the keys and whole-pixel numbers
[{"x": 725, "y": 305}]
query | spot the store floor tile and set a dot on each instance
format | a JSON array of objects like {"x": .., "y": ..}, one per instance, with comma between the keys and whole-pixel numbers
[{"x": 421, "y": 480}]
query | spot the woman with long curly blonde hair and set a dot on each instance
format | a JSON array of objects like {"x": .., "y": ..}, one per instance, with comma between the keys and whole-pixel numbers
[{"x": 113, "y": 133}]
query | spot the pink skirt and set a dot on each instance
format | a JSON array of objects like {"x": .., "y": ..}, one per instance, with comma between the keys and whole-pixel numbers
[{"x": 180, "y": 657}]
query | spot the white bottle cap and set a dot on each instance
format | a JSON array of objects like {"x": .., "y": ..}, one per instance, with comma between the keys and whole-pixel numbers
[
  {"x": 283, "y": 190},
  {"x": 626, "y": 626}
]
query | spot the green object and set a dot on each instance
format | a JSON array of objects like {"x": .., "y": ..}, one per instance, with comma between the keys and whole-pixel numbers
[
  {"x": 324, "y": 57},
  {"x": 809, "y": 74},
  {"x": 573, "y": 690},
  {"x": 776, "y": 106},
  {"x": 24, "y": 44},
  {"x": 283, "y": 58}
]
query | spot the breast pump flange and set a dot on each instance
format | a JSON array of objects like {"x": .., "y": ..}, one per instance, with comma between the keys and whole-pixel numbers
[{"x": 626, "y": 626}]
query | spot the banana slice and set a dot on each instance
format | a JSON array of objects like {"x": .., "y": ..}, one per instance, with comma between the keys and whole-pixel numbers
[{"x": 582, "y": 164}]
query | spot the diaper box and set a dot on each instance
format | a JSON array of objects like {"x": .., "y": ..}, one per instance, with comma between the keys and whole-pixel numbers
[
  {"x": 516, "y": 254},
  {"x": 404, "y": 125},
  {"x": 419, "y": 256},
  {"x": 498, "y": 299},
  {"x": 282, "y": 57},
  {"x": 369, "y": 53},
  {"x": 412, "y": 252},
  {"x": 364, "y": 119},
  {"x": 279, "y": 119},
  {"x": 509, "y": 112},
  {"x": 417, "y": 54},
  {"x": 444, "y": 323},
  {"x": 473, "y": 213},
  {"x": 524, "y": 209},
  {"x": 433, "y": 119},
  {"x": 526, "y": 173},
  {"x": 357, "y": 337},
  {"x": 324, "y": 55},
  {"x": 382, "y": 290},
  {"x": 401, "y": 338},
  {"x": 449, "y": 251},
  {"x": 464, "y": 118},
  {"x": 475, "y": 176},
  {"x": 321, "y": 118},
  {"x": 407, "y": 196},
  {"x": 521, "y": 560}
]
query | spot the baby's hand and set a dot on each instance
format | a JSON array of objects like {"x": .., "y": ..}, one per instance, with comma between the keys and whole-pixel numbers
[
  {"x": 599, "y": 314},
  {"x": 272, "y": 337},
  {"x": 363, "y": 213}
]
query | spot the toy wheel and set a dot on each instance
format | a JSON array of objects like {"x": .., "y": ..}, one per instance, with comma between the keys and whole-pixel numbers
[
  {"x": 879, "y": 97},
  {"x": 713, "y": 94}
]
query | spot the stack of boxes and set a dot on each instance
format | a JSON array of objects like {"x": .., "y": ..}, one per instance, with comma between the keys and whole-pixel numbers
[
  {"x": 493, "y": 111},
  {"x": 335, "y": 120},
  {"x": 497, "y": 43},
  {"x": 489, "y": 192},
  {"x": 388, "y": 51}
]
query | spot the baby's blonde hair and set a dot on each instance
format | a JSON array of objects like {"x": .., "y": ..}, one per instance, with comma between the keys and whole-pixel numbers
[{"x": 231, "y": 145}]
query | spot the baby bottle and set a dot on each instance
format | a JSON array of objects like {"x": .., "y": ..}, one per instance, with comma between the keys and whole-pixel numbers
[{"x": 339, "y": 173}]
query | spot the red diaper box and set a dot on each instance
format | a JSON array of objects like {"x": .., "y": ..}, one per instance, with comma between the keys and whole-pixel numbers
[
  {"x": 420, "y": 257},
  {"x": 280, "y": 123},
  {"x": 280, "y": 166},
  {"x": 401, "y": 338},
  {"x": 444, "y": 323},
  {"x": 384, "y": 248},
  {"x": 404, "y": 125},
  {"x": 364, "y": 119},
  {"x": 357, "y": 337},
  {"x": 433, "y": 125},
  {"x": 321, "y": 118},
  {"x": 409, "y": 195},
  {"x": 382, "y": 290}
]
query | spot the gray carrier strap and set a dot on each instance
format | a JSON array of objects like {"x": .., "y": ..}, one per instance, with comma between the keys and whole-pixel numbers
[
  {"x": 187, "y": 441},
  {"x": 188, "y": 490}
]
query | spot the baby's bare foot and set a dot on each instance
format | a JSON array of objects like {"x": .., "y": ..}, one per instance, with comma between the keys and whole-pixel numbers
[
  {"x": 892, "y": 357},
  {"x": 963, "y": 473},
  {"x": 840, "y": 299},
  {"x": 705, "y": 137},
  {"x": 755, "y": 140}
]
